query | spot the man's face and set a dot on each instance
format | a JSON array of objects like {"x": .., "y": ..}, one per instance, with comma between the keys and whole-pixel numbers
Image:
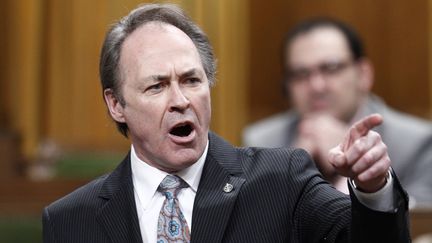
[
  {"x": 167, "y": 97},
  {"x": 322, "y": 75}
]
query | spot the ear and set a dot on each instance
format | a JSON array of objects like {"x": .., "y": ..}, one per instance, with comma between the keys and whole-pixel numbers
[
  {"x": 115, "y": 108},
  {"x": 367, "y": 74}
]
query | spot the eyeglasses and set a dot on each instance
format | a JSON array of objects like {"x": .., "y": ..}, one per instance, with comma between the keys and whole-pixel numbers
[{"x": 327, "y": 70}]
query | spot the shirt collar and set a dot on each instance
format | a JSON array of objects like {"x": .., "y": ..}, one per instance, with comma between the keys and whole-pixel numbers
[{"x": 147, "y": 178}]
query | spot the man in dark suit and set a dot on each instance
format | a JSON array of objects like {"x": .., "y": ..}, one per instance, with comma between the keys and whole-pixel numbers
[{"x": 156, "y": 69}]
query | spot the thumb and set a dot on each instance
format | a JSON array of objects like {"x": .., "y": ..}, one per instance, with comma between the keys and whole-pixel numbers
[{"x": 336, "y": 156}]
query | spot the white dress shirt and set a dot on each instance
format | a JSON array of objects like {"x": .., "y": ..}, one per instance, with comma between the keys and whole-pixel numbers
[{"x": 146, "y": 180}]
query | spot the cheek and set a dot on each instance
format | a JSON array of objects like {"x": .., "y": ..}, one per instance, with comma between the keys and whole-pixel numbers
[
  {"x": 346, "y": 90},
  {"x": 145, "y": 112},
  {"x": 348, "y": 82},
  {"x": 203, "y": 104},
  {"x": 298, "y": 94},
  {"x": 206, "y": 105}
]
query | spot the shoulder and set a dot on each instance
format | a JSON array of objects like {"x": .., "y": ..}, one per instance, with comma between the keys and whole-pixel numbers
[
  {"x": 256, "y": 159},
  {"x": 398, "y": 123},
  {"x": 272, "y": 154},
  {"x": 402, "y": 125},
  {"x": 82, "y": 198},
  {"x": 73, "y": 218},
  {"x": 94, "y": 193},
  {"x": 275, "y": 171},
  {"x": 271, "y": 131},
  {"x": 289, "y": 163}
]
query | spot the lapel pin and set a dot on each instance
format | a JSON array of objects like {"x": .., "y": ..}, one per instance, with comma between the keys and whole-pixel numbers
[{"x": 228, "y": 188}]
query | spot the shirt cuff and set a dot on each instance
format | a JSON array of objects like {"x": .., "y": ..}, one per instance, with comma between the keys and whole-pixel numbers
[{"x": 381, "y": 200}]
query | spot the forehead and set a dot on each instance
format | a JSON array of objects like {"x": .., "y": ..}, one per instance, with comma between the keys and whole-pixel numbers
[
  {"x": 155, "y": 46},
  {"x": 318, "y": 45}
]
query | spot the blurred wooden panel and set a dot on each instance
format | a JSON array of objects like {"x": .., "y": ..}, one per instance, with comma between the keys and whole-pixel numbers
[
  {"x": 395, "y": 35},
  {"x": 4, "y": 86},
  {"x": 75, "y": 114},
  {"x": 421, "y": 221},
  {"x": 21, "y": 197},
  {"x": 429, "y": 35},
  {"x": 22, "y": 72},
  {"x": 227, "y": 24},
  {"x": 10, "y": 156}
]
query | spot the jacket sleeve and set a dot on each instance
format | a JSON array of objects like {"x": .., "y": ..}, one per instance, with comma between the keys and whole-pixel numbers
[
  {"x": 324, "y": 214},
  {"x": 375, "y": 226}
]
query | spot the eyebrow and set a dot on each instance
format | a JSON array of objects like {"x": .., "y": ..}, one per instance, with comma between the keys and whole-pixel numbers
[
  {"x": 188, "y": 73},
  {"x": 156, "y": 78}
]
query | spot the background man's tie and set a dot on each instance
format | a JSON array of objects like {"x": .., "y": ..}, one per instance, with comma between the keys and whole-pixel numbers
[{"x": 172, "y": 226}]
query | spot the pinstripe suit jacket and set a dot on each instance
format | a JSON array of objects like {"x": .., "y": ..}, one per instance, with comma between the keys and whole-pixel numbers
[{"x": 278, "y": 196}]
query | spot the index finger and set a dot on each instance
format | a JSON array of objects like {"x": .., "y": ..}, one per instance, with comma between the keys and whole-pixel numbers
[{"x": 361, "y": 128}]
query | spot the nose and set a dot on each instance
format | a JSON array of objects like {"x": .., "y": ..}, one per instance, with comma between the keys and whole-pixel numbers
[
  {"x": 178, "y": 100},
  {"x": 317, "y": 82}
]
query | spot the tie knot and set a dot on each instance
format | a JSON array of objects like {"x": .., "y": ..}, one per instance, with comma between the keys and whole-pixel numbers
[{"x": 171, "y": 184}]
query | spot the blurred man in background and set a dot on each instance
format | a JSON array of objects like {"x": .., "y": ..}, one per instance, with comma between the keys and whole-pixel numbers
[{"x": 328, "y": 80}]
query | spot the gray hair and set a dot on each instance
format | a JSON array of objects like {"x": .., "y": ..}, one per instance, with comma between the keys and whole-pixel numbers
[{"x": 109, "y": 67}]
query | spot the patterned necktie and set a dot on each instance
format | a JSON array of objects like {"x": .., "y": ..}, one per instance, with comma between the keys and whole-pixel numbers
[{"x": 172, "y": 226}]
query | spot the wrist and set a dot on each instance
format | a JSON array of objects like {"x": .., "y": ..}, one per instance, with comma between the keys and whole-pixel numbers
[{"x": 371, "y": 186}]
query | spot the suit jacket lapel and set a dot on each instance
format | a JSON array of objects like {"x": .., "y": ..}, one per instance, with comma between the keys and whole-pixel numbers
[
  {"x": 118, "y": 214},
  {"x": 213, "y": 202}
]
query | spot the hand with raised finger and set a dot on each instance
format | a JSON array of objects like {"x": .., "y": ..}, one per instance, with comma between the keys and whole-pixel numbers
[{"x": 362, "y": 155}]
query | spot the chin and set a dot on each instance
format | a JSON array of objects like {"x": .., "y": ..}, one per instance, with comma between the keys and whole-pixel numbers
[{"x": 185, "y": 158}]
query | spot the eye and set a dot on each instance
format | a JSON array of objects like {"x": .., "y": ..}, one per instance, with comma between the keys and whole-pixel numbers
[
  {"x": 331, "y": 67},
  {"x": 299, "y": 74},
  {"x": 155, "y": 88},
  {"x": 192, "y": 81}
]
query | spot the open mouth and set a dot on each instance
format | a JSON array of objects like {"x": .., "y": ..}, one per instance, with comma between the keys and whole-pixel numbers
[{"x": 182, "y": 130}]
